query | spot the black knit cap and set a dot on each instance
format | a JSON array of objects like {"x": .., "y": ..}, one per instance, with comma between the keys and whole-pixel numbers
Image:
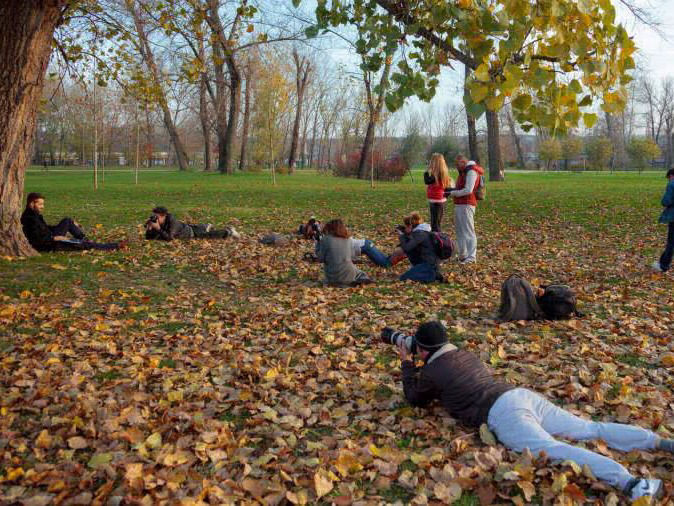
[
  {"x": 160, "y": 210},
  {"x": 431, "y": 335}
]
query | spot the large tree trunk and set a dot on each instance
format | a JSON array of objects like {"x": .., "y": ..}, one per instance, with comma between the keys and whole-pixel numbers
[
  {"x": 375, "y": 112},
  {"x": 220, "y": 102},
  {"x": 494, "y": 146},
  {"x": 302, "y": 70},
  {"x": 225, "y": 51},
  {"x": 313, "y": 138},
  {"x": 26, "y": 31},
  {"x": 203, "y": 109},
  {"x": 246, "y": 119},
  {"x": 473, "y": 152},
  {"x": 205, "y": 127},
  {"x": 148, "y": 55},
  {"x": 227, "y": 154}
]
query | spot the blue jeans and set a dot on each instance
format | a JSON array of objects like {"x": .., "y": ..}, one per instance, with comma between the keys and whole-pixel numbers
[
  {"x": 424, "y": 273},
  {"x": 666, "y": 258},
  {"x": 377, "y": 257}
]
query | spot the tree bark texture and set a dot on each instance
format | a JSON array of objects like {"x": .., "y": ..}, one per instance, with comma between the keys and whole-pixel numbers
[
  {"x": 148, "y": 56},
  {"x": 205, "y": 127},
  {"x": 26, "y": 31},
  {"x": 203, "y": 109},
  {"x": 494, "y": 146},
  {"x": 227, "y": 50},
  {"x": 246, "y": 118},
  {"x": 302, "y": 70},
  {"x": 375, "y": 109},
  {"x": 470, "y": 125},
  {"x": 516, "y": 138}
]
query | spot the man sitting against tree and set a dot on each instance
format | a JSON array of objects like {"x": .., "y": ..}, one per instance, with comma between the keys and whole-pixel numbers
[
  {"x": 163, "y": 226},
  {"x": 46, "y": 238}
]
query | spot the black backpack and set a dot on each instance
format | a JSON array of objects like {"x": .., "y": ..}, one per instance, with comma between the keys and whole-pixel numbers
[
  {"x": 443, "y": 245},
  {"x": 558, "y": 302},
  {"x": 518, "y": 301}
]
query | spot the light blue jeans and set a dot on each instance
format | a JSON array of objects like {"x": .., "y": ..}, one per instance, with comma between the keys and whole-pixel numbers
[{"x": 523, "y": 419}]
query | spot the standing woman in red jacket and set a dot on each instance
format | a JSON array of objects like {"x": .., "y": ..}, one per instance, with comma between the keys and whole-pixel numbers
[{"x": 437, "y": 180}]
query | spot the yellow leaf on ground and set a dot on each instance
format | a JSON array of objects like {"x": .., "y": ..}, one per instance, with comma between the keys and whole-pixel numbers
[
  {"x": 77, "y": 443},
  {"x": 322, "y": 484},
  {"x": 153, "y": 441},
  {"x": 347, "y": 462},
  {"x": 528, "y": 489},
  {"x": 43, "y": 440},
  {"x": 667, "y": 359},
  {"x": 448, "y": 493},
  {"x": 486, "y": 435}
]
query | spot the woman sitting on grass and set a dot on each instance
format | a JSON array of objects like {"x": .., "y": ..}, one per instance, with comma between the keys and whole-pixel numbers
[{"x": 335, "y": 251}]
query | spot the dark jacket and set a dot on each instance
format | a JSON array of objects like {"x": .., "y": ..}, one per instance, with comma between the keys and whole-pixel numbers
[
  {"x": 172, "y": 228},
  {"x": 463, "y": 384},
  {"x": 419, "y": 247},
  {"x": 36, "y": 230},
  {"x": 667, "y": 215}
]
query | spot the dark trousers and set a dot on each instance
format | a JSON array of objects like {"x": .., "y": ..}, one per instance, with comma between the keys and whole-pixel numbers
[
  {"x": 200, "y": 232},
  {"x": 84, "y": 245},
  {"x": 424, "y": 273},
  {"x": 666, "y": 258},
  {"x": 437, "y": 210},
  {"x": 67, "y": 225}
]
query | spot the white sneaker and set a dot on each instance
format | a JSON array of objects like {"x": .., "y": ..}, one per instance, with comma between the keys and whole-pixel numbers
[
  {"x": 209, "y": 227},
  {"x": 235, "y": 234},
  {"x": 656, "y": 266},
  {"x": 646, "y": 488}
]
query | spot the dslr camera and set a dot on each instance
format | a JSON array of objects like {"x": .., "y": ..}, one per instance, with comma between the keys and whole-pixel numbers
[
  {"x": 397, "y": 338},
  {"x": 152, "y": 219}
]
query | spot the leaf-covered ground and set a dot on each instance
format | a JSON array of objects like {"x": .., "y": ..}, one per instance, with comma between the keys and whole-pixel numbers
[{"x": 225, "y": 372}]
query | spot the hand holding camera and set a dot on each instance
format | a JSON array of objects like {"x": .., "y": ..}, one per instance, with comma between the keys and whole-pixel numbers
[
  {"x": 406, "y": 344},
  {"x": 153, "y": 222}
]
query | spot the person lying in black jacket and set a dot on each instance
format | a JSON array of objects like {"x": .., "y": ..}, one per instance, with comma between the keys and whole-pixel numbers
[
  {"x": 163, "y": 226},
  {"x": 518, "y": 417},
  {"x": 45, "y": 238}
]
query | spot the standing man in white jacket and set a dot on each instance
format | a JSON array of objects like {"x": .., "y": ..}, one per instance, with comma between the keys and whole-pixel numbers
[{"x": 465, "y": 203}]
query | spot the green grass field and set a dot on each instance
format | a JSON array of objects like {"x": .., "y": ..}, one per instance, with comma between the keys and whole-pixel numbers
[{"x": 225, "y": 371}]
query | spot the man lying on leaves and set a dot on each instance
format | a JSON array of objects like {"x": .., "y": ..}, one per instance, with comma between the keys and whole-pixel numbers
[
  {"x": 518, "y": 417},
  {"x": 163, "y": 226}
]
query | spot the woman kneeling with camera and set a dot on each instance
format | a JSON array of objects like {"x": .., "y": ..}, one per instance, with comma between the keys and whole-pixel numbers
[{"x": 415, "y": 241}]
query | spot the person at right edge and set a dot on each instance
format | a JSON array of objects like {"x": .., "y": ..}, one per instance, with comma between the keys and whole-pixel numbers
[
  {"x": 667, "y": 217},
  {"x": 465, "y": 202},
  {"x": 519, "y": 417}
]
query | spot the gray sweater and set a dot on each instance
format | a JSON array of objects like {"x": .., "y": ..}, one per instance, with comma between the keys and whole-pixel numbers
[{"x": 336, "y": 254}]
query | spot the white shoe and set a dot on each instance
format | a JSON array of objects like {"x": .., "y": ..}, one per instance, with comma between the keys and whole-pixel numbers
[
  {"x": 656, "y": 266},
  {"x": 646, "y": 488},
  {"x": 235, "y": 234},
  {"x": 209, "y": 227}
]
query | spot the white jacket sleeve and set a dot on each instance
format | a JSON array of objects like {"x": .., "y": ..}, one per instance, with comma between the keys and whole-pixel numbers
[{"x": 471, "y": 179}]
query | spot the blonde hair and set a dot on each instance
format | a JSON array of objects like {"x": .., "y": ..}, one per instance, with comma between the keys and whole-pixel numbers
[
  {"x": 415, "y": 219},
  {"x": 437, "y": 168}
]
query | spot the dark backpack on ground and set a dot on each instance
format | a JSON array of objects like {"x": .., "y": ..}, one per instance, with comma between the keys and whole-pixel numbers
[
  {"x": 518, "y": 300},
  {"x": 443, "y": 245},
  {"x": 558, "y": 302}
]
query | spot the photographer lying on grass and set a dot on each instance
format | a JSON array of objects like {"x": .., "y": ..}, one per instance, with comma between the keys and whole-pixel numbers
[
  {"x": 518, "y": 417},
  {"x": 163, "y": 226}
]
